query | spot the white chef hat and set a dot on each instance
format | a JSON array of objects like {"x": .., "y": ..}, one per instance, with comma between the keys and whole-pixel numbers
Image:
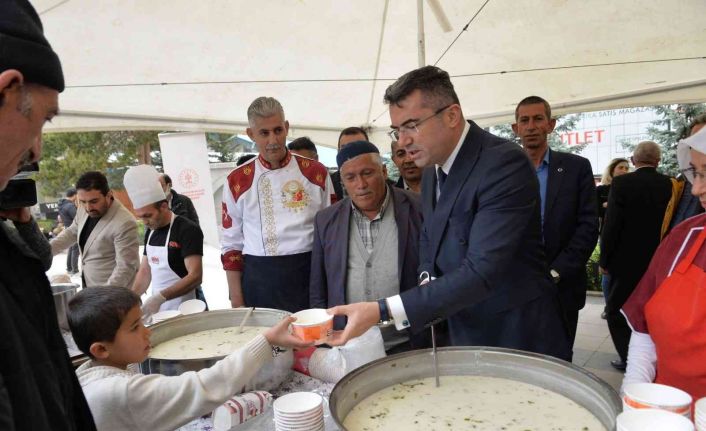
[
  {"x": 142, "y": 185},
  {"x": 697, "y": 142}
]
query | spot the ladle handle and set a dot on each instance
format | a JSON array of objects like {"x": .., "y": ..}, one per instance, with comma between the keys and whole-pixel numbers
[
  {"x": 245, "y": 319},
  {"x": 433, "y": 352}
]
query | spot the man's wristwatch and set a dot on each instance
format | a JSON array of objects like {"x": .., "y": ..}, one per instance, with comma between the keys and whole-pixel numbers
[
  {"x": 385, "y": 316},
  {"x": 555, "y": 275}
]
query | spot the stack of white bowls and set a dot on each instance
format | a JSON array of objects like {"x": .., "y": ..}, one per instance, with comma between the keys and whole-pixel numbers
[
  {"x": 700, "y": 415},
  {"x": 299, "y": 411},
  {"x": 652, "y": 420}
]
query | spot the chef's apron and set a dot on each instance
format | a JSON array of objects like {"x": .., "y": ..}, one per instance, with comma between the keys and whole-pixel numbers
[
  {"x": 162, "y": 274},
  {"x": 280, "y": 282},
  {"x": 676, "y": 318}
]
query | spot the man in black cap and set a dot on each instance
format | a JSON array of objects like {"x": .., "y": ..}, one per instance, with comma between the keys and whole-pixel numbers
[
  {"x": 38, "y": 387},
  {"x": 366, "y": 246}
]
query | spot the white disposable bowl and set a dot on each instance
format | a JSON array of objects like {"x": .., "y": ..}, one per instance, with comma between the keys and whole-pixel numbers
[
  {"x": 164, "y": 315},
  {"x": 192, "y": 306},
  {"x": 652, "y": 420},
  {"x": 311, "y": 317},
  {"x": 653, "y": 395}
]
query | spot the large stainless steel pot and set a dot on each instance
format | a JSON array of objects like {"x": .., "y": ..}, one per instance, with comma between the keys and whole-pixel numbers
[
  {"x": 271, "y": 375},
  {"x": 562, "y": 377},
  {"x": 63, "y": 292}
]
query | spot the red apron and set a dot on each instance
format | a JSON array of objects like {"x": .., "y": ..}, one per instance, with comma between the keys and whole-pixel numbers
[{"x": 676, "y": 318}]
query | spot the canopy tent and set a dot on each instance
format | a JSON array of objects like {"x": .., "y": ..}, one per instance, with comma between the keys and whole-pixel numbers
[{"x": 197, "y": 65}]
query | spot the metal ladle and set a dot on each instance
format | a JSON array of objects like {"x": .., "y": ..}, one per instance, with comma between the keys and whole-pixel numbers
[
  {"x": 245, "y": 319},
  {"x": 424, "y": 278},
  {"x": 433, "y": 353}
]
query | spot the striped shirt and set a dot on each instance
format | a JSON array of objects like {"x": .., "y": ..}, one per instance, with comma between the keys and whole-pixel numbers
[{"x": 369, "y": 229}]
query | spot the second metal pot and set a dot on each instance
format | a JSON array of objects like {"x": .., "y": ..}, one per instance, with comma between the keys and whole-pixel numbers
[{"x": 268, "y": 378}]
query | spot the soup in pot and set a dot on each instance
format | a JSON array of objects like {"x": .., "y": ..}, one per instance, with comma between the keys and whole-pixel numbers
[
  {"x": 206, "y": 344},
  {"x": 469, "y": 403}
]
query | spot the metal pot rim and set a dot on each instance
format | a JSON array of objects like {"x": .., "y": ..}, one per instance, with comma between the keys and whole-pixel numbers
[
  {"x": 615, "y": 398},
  {"x": 168, "y": 322}
]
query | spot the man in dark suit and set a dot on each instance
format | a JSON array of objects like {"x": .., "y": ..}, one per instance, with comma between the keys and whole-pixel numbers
[
  {"x": 347, "y": 135},
  {"x": 410, "y": 174},
  {"x": 630, "y": 235},
  {"x": 385, "y": 218},
  {"x": 180, "y": 205},
  {"x": 481, "y": 246},
  {"x": 569, "y": 211}
]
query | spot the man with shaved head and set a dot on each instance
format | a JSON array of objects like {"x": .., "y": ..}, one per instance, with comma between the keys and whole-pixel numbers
[{"x": 631, "y": 234}]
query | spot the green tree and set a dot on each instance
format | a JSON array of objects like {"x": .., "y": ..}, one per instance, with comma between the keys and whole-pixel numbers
[
  {"x": 227, "y": 148},
  {"x": 668, "y": 130},
  {"x": 68, "y": 155},
  {"x": 564, "y": 123}
]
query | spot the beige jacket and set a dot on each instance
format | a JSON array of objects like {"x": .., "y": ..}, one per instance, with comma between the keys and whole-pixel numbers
[{"x": 111, "y": 255}]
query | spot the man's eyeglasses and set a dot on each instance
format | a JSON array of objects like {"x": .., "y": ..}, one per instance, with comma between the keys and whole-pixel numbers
[
  {"x": 412, "y": 126},
  {"x": 692, "y": 174}
]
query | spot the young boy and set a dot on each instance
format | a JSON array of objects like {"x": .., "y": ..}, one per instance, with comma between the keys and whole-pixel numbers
[{"x": 106, "y": 323}]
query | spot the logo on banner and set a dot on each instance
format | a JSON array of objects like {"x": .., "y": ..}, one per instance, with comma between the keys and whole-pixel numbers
[
  {"x": 294, "y": 196},
  {"x": 188, "y": 178}
]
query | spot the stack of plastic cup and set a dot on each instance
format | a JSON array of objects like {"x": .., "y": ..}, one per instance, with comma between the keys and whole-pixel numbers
[
  {"x": 652, "y": 420},
  {"x": 656, "y": 396},
  {"x": 299, "y": 411},
  {"x": 700, "y": 414}
]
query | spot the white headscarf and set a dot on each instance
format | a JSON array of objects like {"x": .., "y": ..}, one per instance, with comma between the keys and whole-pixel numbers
[
  {"x": 142, "y": 185},
  {"x": 696, "y": 142}
]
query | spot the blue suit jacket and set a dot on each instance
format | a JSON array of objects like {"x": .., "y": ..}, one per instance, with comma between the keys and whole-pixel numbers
[
  {"x": 329, "y": 256},
  {"x": 482, "y": 239},
  {"x": 570, "y": 224}
]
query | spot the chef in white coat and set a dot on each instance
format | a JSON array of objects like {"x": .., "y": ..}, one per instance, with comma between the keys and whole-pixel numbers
[{"x": 172, "y": 260}]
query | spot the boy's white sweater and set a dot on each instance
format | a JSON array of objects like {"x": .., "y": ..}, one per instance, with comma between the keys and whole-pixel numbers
[{"x": 124, "y": 400}]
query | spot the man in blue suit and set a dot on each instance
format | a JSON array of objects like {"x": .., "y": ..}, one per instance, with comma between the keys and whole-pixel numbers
[
  {"x": 366, "y": 246},
  {"x": 569, "y": 211},
  {"x": 481, "y": 243}
]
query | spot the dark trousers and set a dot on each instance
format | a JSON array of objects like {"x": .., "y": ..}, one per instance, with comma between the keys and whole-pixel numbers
[
  {"x": 280, "y": 282},
  {"x": 536, "y": 326},
  {"x": 201, "y": 296},
  {"x": 572, "y": 323},
  {"x": 621, "y": 287},
  {"x": 72, "y": 259},
  {"x": 620, "y": 333}
]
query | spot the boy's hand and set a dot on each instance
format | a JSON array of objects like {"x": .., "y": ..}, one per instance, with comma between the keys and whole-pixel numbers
[{"x": 279, "y": 335}]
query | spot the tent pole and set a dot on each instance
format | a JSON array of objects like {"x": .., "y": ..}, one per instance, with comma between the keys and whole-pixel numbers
[{"x": 420, "y": 33}]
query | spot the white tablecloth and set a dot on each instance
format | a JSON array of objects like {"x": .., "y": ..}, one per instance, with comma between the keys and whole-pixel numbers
[{"x": 296, "y": 383}]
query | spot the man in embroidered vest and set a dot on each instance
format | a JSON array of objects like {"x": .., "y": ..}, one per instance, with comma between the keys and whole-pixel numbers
[
  {"x": 367, "y": 245},
  {"x": 268, "y": 209}
]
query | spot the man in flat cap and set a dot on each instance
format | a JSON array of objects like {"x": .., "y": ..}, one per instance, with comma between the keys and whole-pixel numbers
[
  {"x": 172, "y": 260},
  {"x": 38, "y": 387},
  {"x": 367, "y": 245},
  {"x": 268, "y": 206}
]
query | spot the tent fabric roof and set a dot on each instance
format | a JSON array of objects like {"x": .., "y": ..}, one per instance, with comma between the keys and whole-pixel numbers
[{"x": 186, "y": 65}]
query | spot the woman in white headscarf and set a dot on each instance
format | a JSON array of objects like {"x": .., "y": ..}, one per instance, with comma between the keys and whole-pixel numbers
[{"x": 667, "y": 310}]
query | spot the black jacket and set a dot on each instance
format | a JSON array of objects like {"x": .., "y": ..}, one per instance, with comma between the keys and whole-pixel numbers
[
  {"x": 67, "y": 211},
  {"x": 182, "y": 206},
  {"x": 36, "y": 375},
  {"x": 631, "y": 229},
  {"x": 570, "y": 224}
]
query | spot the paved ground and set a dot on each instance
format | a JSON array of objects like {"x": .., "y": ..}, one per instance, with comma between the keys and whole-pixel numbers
[{"x": 593, "y": 349}]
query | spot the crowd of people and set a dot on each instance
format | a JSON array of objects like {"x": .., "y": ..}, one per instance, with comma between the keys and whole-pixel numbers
[{"x": 486, "y": 239}]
